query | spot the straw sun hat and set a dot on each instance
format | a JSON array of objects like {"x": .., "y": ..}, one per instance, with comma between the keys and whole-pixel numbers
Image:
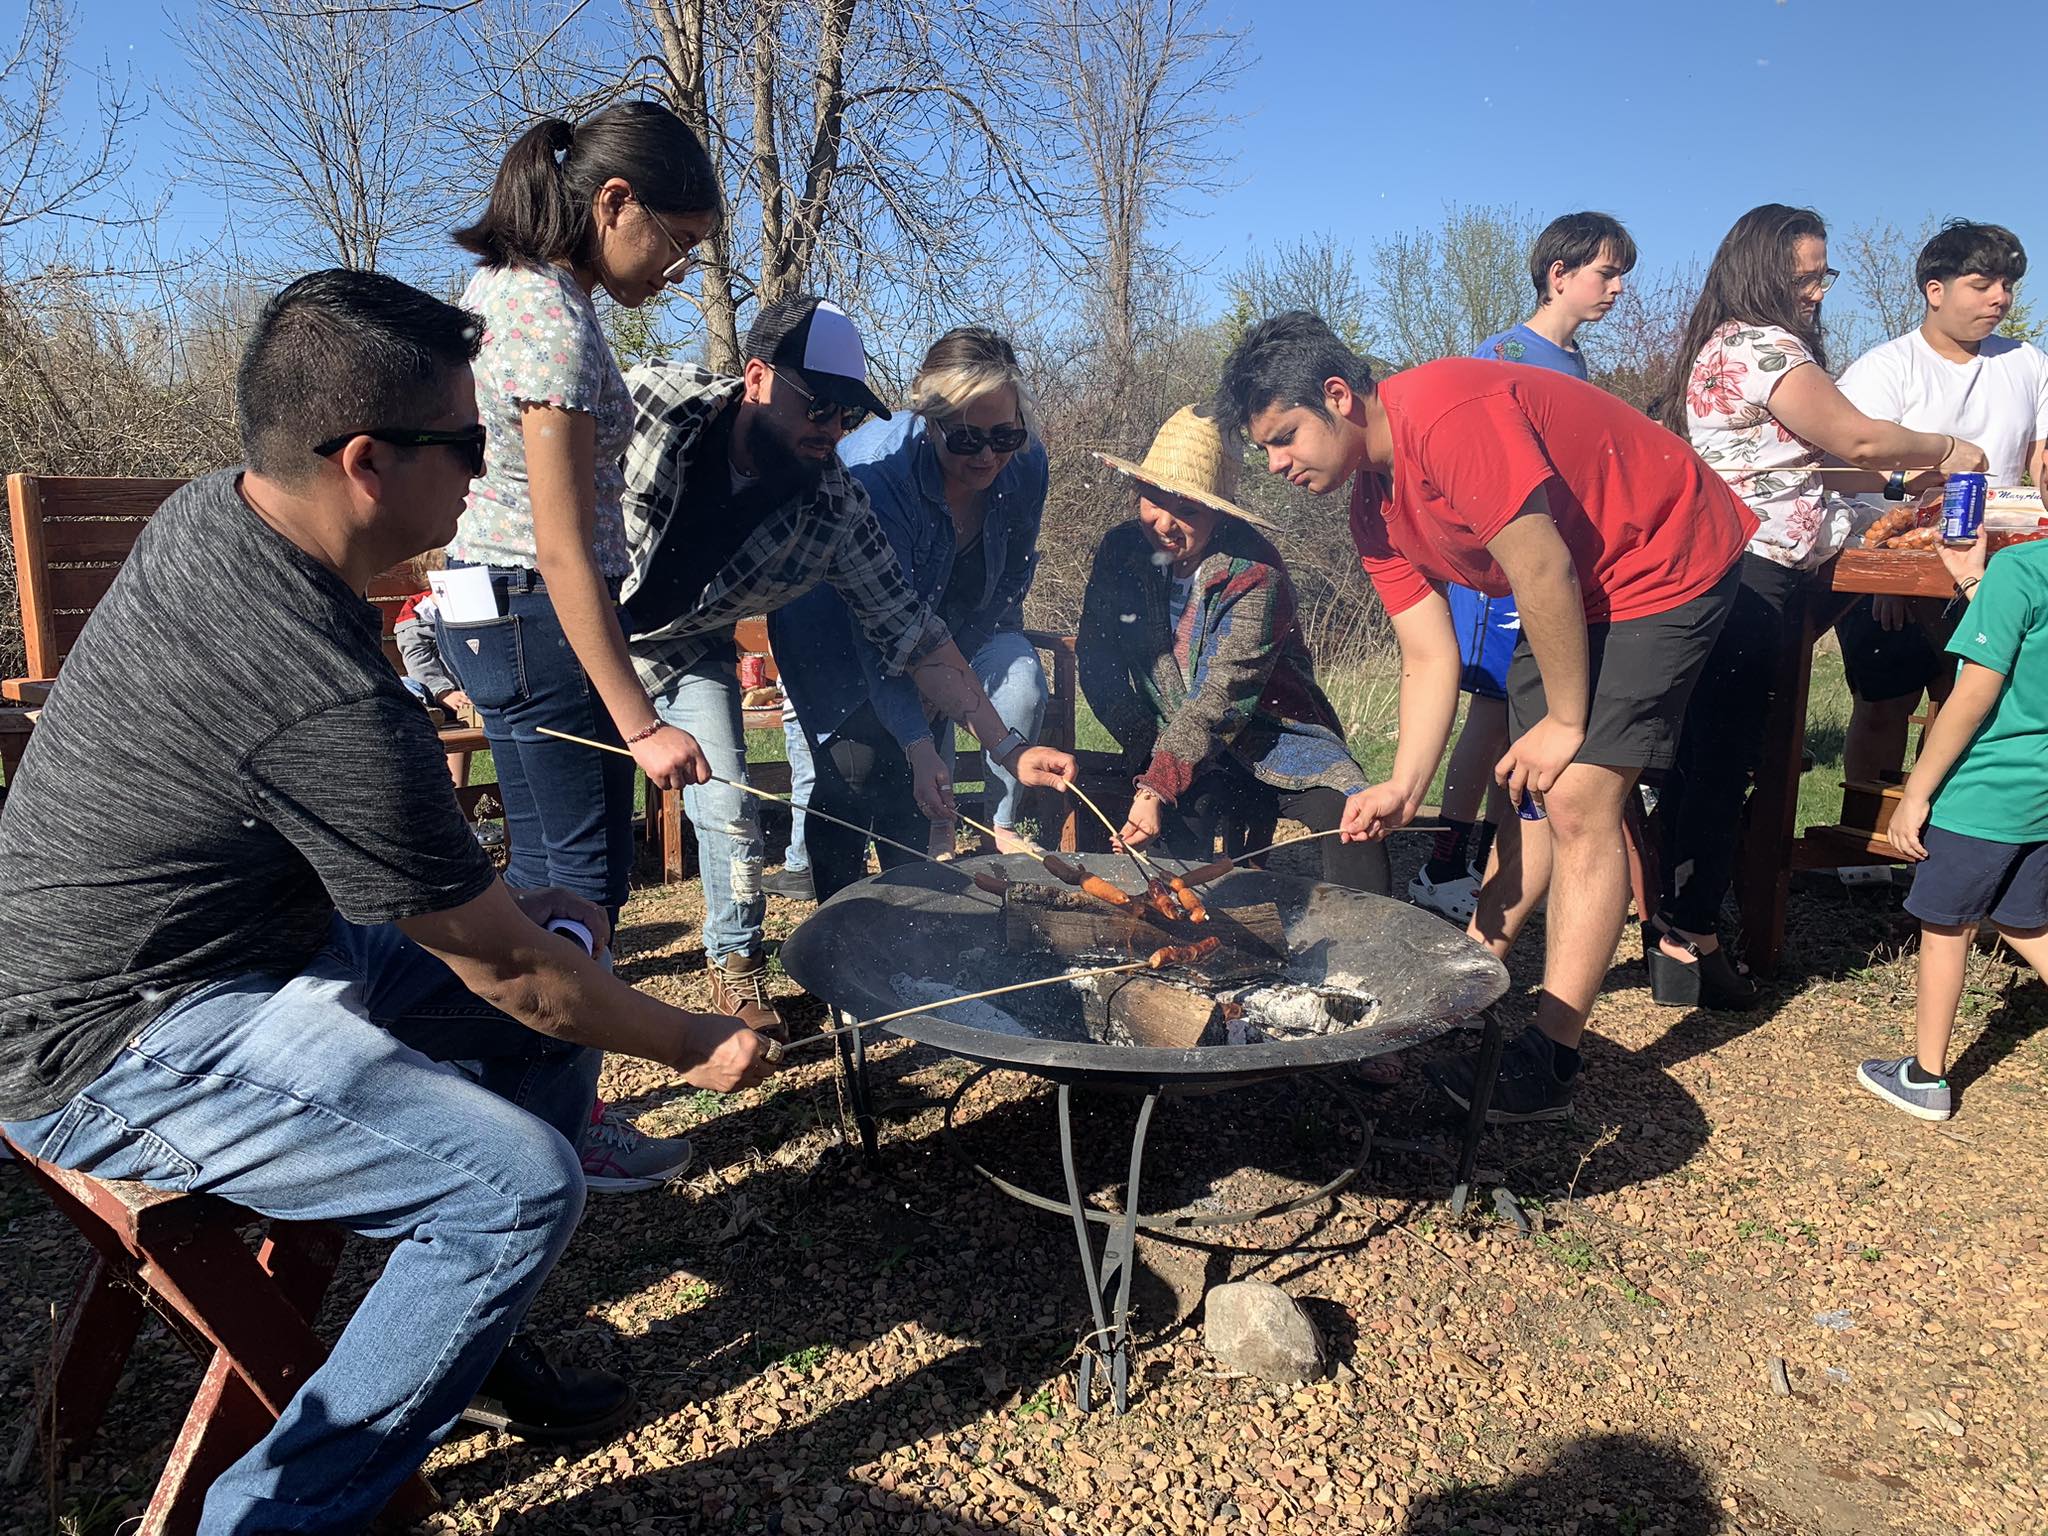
[{"x": 1189, "y": 458}]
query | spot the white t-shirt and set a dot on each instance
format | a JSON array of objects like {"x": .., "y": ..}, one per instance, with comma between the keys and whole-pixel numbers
[{"x": 1999, "y": 400}]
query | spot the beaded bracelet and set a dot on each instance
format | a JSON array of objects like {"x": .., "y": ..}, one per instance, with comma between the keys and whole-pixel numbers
[{"x": 645, "y": 731}]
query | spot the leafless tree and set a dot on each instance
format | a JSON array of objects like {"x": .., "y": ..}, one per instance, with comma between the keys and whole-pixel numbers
[
  {"x": 1137, "y": 83},
  {"x": 314, "y": 115},
  {"x": 1878, "y": 260},
  {"x": 1632, "y": 351},
  {"x": 1440, "y": 292},
  {"x": 55, "y": 171},
  {"x": 1315, "y": 273}
]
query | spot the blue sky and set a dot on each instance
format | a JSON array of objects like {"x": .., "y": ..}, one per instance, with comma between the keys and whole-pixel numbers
[{"x": 1364, "y": 118}]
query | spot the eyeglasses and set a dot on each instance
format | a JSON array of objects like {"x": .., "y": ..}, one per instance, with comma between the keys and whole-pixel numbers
[
  {"x": 686, "y": 258},
  {"x": 966, "y": 441},
  {"x": 1821, "y": 281},
  {"x": 469, "y": 439},
  {"x": 850, "y": 416}
]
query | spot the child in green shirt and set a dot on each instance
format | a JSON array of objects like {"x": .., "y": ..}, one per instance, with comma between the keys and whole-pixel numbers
[{"x": 1974, "y": 816}]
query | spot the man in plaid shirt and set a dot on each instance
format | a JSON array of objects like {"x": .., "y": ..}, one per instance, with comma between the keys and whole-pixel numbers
[{"x": 736, "y": 503}]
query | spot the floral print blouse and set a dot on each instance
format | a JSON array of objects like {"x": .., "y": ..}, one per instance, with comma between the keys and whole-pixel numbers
[
  {"x": 1727, "y": 409},
  {"x": 542, "y": 345}
]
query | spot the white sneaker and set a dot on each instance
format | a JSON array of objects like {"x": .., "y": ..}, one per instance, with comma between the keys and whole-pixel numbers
[{"x": 1455, "y": 899}]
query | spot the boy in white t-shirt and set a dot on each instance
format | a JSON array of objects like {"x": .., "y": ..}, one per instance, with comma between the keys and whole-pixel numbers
[{"x": 1953, "y": 374}]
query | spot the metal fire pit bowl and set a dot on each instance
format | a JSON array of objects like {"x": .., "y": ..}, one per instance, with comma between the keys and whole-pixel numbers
[
  {"x": 926, "y": 927},
  {"x": 931, "y": 924}
]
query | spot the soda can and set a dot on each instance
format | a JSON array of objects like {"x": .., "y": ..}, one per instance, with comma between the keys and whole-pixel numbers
[
  {"x": 1962, "y": 508},
  {"x": 753, "y": 670},
  {"x": 1527, "y": 808}
]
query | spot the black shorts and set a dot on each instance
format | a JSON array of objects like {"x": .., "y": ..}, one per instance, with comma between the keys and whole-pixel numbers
[
  {"x": 1643, "y": 671},
  {"x": 1964, "y": 880},
  {"x": 1883, "y": 664}
]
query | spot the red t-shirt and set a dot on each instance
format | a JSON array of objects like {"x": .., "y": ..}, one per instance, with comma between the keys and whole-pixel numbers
[{"x": 1648, "y": 524}]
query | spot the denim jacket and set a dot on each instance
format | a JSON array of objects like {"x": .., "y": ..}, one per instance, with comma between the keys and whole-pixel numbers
[{"x": 827, "y": 665}]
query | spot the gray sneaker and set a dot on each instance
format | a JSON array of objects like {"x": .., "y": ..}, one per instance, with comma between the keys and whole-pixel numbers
[
  {"x": 618, "y": 1160},
  {"x": 1887, "y": 1079}
]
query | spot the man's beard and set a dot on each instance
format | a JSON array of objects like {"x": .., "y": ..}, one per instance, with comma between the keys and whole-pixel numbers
[{"x": 781, "y": 473}]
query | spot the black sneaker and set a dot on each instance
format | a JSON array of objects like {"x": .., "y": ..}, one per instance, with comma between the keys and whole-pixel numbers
[
  {"x": 1528, "y": 1087},
  {"x": 528, "y": 1395},
  {"x": 790, "y": 884}
]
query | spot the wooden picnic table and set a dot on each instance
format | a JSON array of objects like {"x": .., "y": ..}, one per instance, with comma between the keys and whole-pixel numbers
[{"x": 1772, "y": 846}]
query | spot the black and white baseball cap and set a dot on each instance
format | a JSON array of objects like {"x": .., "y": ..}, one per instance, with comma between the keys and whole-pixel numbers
[{"x": 814, "y": 337}]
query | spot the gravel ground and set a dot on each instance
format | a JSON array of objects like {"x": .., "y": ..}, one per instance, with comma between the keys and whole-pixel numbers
[{"x": 823, "y": 1346}]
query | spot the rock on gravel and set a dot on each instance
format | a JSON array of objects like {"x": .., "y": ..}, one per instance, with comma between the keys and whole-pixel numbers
[{"x": 1257, "y": 1328}]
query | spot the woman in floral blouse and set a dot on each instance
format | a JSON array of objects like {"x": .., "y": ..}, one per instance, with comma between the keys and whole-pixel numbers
[{"x": 1752, "y": 392}]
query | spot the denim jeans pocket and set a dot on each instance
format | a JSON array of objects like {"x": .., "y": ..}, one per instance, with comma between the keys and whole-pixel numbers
[
  {"x": 489, "y": 659},
  {"x": 96, "y": 1140}
]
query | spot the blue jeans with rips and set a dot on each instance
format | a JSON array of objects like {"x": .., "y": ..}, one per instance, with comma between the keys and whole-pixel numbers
[
  {"x": 372, "y": 1091},
  {"x": 705, "y": 701}
]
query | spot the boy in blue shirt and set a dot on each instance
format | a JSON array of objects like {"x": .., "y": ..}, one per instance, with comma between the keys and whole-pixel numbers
[
  {"x": 1576, "y": 266},
  {"x": 1974, "y": 814}
]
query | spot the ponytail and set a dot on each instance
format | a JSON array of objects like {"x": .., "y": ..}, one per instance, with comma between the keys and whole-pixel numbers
[{"x": 540, "y": 207}]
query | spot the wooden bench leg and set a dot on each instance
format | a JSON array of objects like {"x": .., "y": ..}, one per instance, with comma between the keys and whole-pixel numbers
[
  {"x": 87, "y": 1355},
  {"x": 458, "y": 769},
  {"x": 255, "y": 1310},
  {"x": 672, "y": 824}
]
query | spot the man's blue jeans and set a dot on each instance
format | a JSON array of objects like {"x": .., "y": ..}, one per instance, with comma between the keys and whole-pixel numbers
[
  {"x": 705, "y": 701},
  {"x": 372, "y": 1091}
]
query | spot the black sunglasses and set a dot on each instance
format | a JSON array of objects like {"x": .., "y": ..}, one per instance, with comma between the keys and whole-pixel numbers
[
  {"x": 850, "y": 416},
  {"x": 469, "y": 439},
  {"x": 965, "y": 442}
]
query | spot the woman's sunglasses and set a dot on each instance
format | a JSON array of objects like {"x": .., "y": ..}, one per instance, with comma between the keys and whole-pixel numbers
[
  {"x": 819, "y": 411},
  {"x": 470, "y": 440},
  {"x": 965, "y": 442}
]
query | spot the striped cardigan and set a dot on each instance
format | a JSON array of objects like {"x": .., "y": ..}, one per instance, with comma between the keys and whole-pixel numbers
[{"x": 1235, "y": 676}]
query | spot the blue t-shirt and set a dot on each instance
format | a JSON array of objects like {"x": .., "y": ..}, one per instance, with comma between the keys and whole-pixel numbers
[{"x": 1519, "y": 344}]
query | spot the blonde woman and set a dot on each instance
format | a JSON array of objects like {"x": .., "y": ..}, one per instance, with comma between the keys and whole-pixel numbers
[{"x": 958, "y": 484}]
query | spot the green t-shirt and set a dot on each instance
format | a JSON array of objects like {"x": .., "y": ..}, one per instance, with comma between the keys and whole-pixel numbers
[{"x": 1998, "y": 789}]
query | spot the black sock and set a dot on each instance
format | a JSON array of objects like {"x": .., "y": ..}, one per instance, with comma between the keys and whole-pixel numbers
[
  {"x": 1447, "y": 853},
  {"x": 1915, "y": 1075},
  {"x": 1482, "y": 845}
]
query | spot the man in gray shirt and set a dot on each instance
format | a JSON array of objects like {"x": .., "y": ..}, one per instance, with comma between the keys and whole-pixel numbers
[{"x": 254, "y": 950}]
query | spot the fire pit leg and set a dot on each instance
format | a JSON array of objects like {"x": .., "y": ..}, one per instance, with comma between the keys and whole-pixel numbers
[
  {"x": 853, "y": 1072},
  {"x": 1491, "y": 1045},
  {"x": 1119, "y": 1259}
]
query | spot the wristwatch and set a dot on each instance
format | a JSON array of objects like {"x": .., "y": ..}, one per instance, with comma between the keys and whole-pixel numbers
[
  {"x": 1895, "y": 487},
  {"x": 1014, "y": 741}
]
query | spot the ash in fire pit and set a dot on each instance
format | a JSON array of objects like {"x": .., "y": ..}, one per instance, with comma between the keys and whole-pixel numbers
[{"x": 1281, "y": 1010}]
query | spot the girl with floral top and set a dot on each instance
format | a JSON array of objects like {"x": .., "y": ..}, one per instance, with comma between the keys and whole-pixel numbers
[
  {"x": 616, "y": 201},
  {"x": 1751, "y": 390}
]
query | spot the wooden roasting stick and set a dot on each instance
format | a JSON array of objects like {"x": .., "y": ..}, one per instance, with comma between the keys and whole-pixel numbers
[
  {"x": 748, "y": 789},
  {"x": 1159, "y": 959},
  {"x": 1222, "y": 867}
]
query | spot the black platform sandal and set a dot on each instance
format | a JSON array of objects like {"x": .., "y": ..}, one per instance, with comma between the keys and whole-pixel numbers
[{"x": 1710, "y": 980}]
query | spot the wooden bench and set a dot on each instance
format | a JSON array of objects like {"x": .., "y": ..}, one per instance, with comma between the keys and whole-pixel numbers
[
  {"x": 666, "y": 821},
  {"x": 71, "y": 537},
  {"x": 247, "y": 1315}
]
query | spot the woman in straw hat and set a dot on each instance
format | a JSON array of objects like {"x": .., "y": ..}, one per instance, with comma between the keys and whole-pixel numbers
[{"x": 1191, "y": 655}]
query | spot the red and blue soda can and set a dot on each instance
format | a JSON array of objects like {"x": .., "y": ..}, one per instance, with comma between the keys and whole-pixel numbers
[{"x": 1962, "y": 507}]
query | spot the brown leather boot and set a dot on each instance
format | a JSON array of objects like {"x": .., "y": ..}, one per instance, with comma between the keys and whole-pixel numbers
[{"x": 739, "y": 986}]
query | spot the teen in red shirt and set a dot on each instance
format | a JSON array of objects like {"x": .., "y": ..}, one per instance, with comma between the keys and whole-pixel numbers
[{"x": 1619, "y": 547}]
